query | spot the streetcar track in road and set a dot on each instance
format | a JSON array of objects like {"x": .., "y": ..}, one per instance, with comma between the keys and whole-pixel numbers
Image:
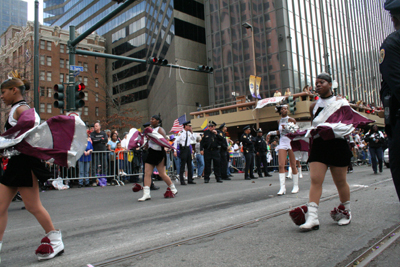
[
  {"x": 368, "y": 255},
  {"x": 132, "y": 255}
]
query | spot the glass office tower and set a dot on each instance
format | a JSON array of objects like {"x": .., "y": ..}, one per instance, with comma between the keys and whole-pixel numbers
[
  {"x": 294, "y": 41},
  {"x": 171, "y": 29},
  {"x": 13, "y": 12}
]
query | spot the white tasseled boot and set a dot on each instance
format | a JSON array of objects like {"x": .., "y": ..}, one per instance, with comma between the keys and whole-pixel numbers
[
  {"x": 312, "y": 222},
  {"x": 295, "y": 183},
  {"x": 300, "y": 172},
  {"x": 289, "y": 173},
  {"x": 51, "y": 246},
  {"x": 282, "y": 190},
  {"x": 346, "y": 214},
  {"x": 173, "y": 189},
  {"x": 146, "y": 194}
]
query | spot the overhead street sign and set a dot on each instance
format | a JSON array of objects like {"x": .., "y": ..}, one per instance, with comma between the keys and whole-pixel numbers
[
  {"x": 76, "y": 68},
  {"x": 76, "y": 73}
]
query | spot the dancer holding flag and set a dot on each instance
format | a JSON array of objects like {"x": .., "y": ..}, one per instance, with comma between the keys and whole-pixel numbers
[
  {"x": 332, "y": 120},
  {"x": 284, "y": 149},
  {"x": 156, "y": 158},
  {"x": 25, "y": 169}
]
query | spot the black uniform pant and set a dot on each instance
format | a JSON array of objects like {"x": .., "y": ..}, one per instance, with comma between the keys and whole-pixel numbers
[
  {"x": 394, "y": 154},
  {"x": 215, "y": 157},
  {"x": 261, "y": 158},
  {"x": 249, "y": 164},
  {"x": 224, "y": 163},
  {"x": 186, "y": 159}
]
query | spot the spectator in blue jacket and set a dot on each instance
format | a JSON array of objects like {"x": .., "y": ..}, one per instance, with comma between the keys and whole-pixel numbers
[{"x": 84, "y": 163}]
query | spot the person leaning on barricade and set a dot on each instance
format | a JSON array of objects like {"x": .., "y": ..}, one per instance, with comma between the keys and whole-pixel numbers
[
  {"x": 99, "y": 160},
  {"x": 84, "y": 162}
]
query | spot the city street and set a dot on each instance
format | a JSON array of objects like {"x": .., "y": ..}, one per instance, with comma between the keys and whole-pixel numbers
[{"x": 236, "y": 223}]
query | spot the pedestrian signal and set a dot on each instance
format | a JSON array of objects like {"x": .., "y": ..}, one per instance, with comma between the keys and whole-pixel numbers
[{"x": 79, "y": 95}]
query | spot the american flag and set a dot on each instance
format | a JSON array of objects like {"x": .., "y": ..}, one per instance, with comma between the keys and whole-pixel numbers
[{"x": 177, "y": 127}]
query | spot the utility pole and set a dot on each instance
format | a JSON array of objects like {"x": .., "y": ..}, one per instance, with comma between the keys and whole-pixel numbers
[{"x": 36, "y": 59}]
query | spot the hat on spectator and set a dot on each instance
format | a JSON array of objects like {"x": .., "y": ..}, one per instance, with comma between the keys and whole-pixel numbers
[
  {"x": 212, "y": 123},
  {"x": 172, "y": 137},
  {"x": 222, "y": 126},
  {"x": 246, "y": 127},
  {"x": 259, "y": 130},
  {"x": 187, "y": 123}
]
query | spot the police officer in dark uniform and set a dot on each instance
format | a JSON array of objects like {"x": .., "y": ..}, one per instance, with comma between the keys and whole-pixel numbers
[
  {"x": 211, "y": 144},
  {"x": 224, "y": 152},
  {"x": 248, "y": 151},
  {"x": 261, "y": 149},
  {"x": 390, "y": 91}
]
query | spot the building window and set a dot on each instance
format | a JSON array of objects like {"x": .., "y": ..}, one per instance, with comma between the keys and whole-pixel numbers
[
  {"x": 86, "y": 96},
  {"x": 97, "y": 97},
  {"x": 85, "y": 80},
  {"x": 42, "y": 107},
  {"x": 96, "y": 68},
  {"x": 61, "y": 77},
  {"x": 61, "y": 63},
  {"x": 80, "y": 79},
  {"x": 49, "y": 91},
  {"x": 49, "y": 76},
  {"x": 97, "y": 111},
  {"x": 42, "y": 75},
  {"x": 48, "y": 61},
  {"x": 61, "y": 48},
  {"x": 85, "y": 67},
  {"x": 67, "y": 50},
  {"x": 48, "y": 108},
  {"x": 85, "y": 111},
  {"x": 41, "y": 60},
  {"x": 42, "y": 91},
  {"x": 67, "y": 64},
  {"x": 79, "y": 63},
  {"x": 96, "y": 82},
  {"x": 42, "y": 44},
  {"x": 48, "y": 45}
]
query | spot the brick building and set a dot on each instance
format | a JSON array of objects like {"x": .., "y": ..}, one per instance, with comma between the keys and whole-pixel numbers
[{"x": 17, "y": 54}]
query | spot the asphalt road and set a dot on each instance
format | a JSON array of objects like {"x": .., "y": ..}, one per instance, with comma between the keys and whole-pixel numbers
[{"x": 99, "y": 224}]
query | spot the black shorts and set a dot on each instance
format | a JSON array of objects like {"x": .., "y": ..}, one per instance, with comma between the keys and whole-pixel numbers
[
  {"x": 155, "y": 157},
  {"x": 334, "y": 152},
  {"x": 19, "y": 171}
]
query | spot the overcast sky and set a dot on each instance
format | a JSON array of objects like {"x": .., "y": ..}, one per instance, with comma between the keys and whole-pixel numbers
[{"x": 31, "y": 10}]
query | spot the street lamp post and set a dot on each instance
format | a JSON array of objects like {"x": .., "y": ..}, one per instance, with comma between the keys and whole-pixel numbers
[{"x": 249, "y": 26}]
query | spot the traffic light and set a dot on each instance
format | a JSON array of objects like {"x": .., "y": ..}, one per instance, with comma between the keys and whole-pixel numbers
[
  {"x": 292, "y": 104},
  {"x": 204, "y": 68},
  {"x": 79, "y": 95},
  {"x": 59, "y": 96},
  {"x": 158, "y": 61}
]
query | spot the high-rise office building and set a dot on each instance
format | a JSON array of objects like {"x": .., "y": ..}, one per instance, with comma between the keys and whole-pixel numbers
[
  {"x": 170, "y": 29},
  {"x": 294, "y": 41},
  {"x": 53, "y": 9},
  {"x": 13, "y": 12}
]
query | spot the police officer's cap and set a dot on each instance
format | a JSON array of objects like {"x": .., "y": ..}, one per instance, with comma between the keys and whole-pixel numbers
[
  {"x": 393, "y": 6},
  {"x": 187, "y": 123},
  {"x": 222, "y": 126},
  {"x": 212, "y": 123},
  {"x": 146, "y": 124},
  {"x": 246, "y": 127},
  {"x": 259, "y": 130}
]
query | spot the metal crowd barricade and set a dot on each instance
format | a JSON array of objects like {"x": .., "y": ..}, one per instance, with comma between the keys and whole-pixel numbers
[
  {"x": 126, "y": 165},
  {"x": 103, "y": 164}
]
